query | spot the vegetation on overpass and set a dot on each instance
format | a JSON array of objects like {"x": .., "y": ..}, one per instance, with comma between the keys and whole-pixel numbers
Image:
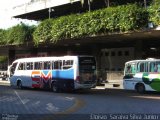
[{"x": 119, "y": 19}]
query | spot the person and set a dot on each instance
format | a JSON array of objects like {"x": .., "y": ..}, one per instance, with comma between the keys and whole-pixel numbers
[{"x": 129, "y": 69}]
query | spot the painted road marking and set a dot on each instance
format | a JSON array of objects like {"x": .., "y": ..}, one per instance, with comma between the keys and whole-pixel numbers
[
  {"x": 148, "y": 97},
  {"x": 51, "y": 107},
  {"x": 79, "y": 103},
  {"x": 21, "y": 100}
]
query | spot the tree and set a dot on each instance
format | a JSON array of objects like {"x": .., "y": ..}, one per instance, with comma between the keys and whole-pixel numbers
[
  {"x": 2, "y": 37},
  {"x": 43, "y": 31},
  {"x": 19, "y": 34}
]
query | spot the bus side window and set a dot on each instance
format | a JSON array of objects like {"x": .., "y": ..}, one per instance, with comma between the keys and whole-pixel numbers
[
  {"x": 21, "y": 66},
  {"x": 146, "y": 66},
  {"x": 153, "y": 67},
  {"x": 57, "y": 64},
  {"x": 47, "y": 65},
  {"x": 52, "y": 62},
  {"x": 158, "y": 65},
  {"x": 29, "y": 65},
  {"x": 38, "y": 65},
  {"x": 67, "y": 64},
  {"x": 60, "y": 64},
  {"x": 138, "y": 68},
  {"x": 142, "y": 67}
]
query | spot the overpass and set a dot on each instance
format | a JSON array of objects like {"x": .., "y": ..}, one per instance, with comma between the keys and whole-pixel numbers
[{"x": 111, "y": 50}]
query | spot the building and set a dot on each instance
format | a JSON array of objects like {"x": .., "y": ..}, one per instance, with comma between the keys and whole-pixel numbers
[{"x": 111, "y": 51}]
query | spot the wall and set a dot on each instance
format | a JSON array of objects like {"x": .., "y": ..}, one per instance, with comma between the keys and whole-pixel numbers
[{"x": 112, "y": 62}]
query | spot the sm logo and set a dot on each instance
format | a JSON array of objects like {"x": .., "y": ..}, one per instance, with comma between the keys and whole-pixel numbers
[{"x": 41, "y": 78}]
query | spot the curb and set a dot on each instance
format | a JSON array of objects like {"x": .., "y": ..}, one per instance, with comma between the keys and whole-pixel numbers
[{"x": 4, "y": 82}]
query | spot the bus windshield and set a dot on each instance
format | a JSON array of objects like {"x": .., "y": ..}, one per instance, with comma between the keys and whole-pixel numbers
[
  {"x": 12, "y": 69},
  {"x": 87, "y": 64},
  {"x": 130, "y": 68}
]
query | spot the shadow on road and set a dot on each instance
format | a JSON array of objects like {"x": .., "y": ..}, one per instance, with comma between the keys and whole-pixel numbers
[{"x": 108, "y": 92}]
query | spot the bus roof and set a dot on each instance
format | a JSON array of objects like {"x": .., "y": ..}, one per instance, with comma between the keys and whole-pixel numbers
[
  {"x": 33, "y": 59},
  {"x": 145, "y": 60}
]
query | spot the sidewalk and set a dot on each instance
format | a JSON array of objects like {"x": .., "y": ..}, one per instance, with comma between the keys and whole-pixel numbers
[
  {"x": 115, "y": 84},
  {"x": 4, "y": 82},
  {"x": 112, "y": 84}
]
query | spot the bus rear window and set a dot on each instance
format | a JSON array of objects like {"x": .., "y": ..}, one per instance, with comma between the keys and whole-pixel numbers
[{"x": 87, "y": 63}]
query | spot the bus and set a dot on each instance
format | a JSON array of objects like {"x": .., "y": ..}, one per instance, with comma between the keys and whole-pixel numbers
[
  {"x": 142, "y": 75},
  {"x": 55, "y": 73}
]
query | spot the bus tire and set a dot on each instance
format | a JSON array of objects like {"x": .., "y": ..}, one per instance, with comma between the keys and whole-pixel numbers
[
  {"x": 19, "y": 84},
  {"x": 55, "y": 87},
  {"x": 140, "y": 88}
]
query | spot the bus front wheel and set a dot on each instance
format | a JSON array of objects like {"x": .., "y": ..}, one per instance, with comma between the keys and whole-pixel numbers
[
  {"x": 140, "y": 88},
  {"x": 19, "y": 84}
]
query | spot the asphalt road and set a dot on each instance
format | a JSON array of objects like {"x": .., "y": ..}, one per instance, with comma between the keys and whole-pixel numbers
[{"x": 87, "y": 104}]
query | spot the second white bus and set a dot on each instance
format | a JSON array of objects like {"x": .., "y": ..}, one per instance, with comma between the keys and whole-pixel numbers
[
  {"x": 142, "y": 75},
  {"x": 56, "y": 73}
]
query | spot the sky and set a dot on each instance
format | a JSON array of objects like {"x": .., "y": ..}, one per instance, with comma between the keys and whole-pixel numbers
[{"x": 6, "y": 21}]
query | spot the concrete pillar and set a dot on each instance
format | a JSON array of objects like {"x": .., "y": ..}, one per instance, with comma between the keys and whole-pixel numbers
[{"x": 96, "y": 51}]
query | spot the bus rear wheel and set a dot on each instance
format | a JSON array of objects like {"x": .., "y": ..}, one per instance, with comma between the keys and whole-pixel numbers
[
  {"x": 55, "y": 87},
  {"x": 140, "y": 88}
]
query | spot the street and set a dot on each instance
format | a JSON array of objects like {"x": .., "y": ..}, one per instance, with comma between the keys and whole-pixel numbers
[{"x": 16, "y": 103}]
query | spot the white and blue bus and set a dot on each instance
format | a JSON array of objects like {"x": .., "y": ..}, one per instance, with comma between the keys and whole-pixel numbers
[
  {"x": 142, "y": 75},
  {"x": 56, "y": 73}
]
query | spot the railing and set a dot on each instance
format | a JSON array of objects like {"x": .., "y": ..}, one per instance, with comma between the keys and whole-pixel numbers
[{"x": 35, "y": 5}]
